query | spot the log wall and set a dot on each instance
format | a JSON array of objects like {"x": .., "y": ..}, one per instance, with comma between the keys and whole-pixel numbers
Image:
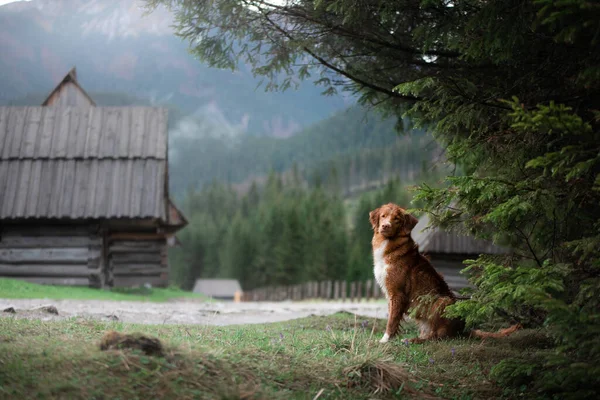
[
  {"x": 62, "y": 255},
  {"x": 137, "y": 262}
]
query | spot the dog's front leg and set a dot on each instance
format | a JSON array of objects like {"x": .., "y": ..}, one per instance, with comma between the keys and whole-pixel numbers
[{"x": 397, "y": 305}]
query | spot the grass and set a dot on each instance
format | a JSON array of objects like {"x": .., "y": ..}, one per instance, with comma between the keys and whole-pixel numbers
[
  {"x": 334, "y": 357},
  {"x": 17, "y": 289}
]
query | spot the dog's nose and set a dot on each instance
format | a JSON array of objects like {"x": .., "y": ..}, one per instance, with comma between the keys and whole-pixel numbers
[{"x": 386, "y": 226}]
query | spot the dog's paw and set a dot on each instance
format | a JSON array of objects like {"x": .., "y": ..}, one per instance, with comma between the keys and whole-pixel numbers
[{"x": 385, "y": 338}]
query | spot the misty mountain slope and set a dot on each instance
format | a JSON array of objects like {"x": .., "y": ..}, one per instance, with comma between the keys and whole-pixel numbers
[
  {"x": 117, "y": 49},
  {"x": 352, "y": 149}
]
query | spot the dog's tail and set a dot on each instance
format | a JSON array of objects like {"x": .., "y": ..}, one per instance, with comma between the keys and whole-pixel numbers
[{"x": 501, "y": 333}]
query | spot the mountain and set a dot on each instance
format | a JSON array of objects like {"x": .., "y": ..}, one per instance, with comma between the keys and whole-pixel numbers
[
  {"x": 116, "y": 48},
  {"x": 353, "y": 150}
]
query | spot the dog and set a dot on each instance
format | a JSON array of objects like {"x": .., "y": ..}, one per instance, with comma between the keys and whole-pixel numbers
[{"x": 409, "y": 280}]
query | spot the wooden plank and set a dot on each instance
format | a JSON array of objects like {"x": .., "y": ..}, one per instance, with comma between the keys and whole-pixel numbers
[
  {"x": 61, "y": 135},
  {"x": 82, "y": 186},
  {"x": 344, "y": 290},
  {"x": 138, "y": 183},
  {"x": 90, "y": 203},
  {"x": 4, "y": 167},
  {"x": 149, "y": 146},
  {"x": 33, "y": 194},
  {"x": 4, "y": 132},
  {"x": 47, "y": 255},
  {"x": 161, "y": 140},
  {"x": 81, "y": 133},
  {"x": 10, "y": 188},
  {"x": 124, "y": 124},
  {"x": 47, "y": 128},
  {"x": 139, "y": 124},
  {"x": 47, "y": 230},
  {"x": 68, "y": 187},
  {"x": 102, "y": 188},
  {"x": 336, "y": 290},
  {"x": 142, "y": 246},
  {"x": 160, "y": 190},
  {"x": 135, "y": 258},
  {"x": 16, "y": 127},
  {"x": 368, "y": 289},
  {"x": 72, "y": 139},
  {"x": 138, "y": 267},
  {"x": 21, "y": 192},
  {"x": 93, "y": 132},
  {"x": 9, "y": 136},
  {"x": 56, "y": 281},
  {"x": 137, "y": 236},
  {"x": 45, "y": 270},
  {"x": 32, "y": 127},
  {"x": 45, "y": 188},
  {"x": 150, "y": 188},
  {"x": 58, "y": 175},
  {"x": 9, "y": 241},
  {"x": 109, "y": 131}
]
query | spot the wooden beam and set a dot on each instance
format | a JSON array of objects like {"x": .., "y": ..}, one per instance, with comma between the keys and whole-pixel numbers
[
  {"x": 47, "y": 255},
  {"x": 137, "y": 236},
  {"x": 36, "y": 270},
  {"x": 135, "y": 258},
  {"x": 14, "y": 241},
  {"x": 56, "y": 281}
]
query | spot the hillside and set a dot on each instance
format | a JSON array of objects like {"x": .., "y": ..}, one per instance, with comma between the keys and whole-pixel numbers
[
  {"x": 353, "y": 149},
  {"x": 117, "y": 49}
]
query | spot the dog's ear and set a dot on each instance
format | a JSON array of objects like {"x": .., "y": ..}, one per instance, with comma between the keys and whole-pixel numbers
[
  {"x": 409, "y": 223},
  {"x": 374, "y": 218}
]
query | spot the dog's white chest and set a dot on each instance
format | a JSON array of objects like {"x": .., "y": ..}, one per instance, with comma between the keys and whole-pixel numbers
[{"x": 380, "y": 267}]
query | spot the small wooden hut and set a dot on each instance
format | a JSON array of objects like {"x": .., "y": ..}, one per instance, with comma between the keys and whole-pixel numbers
[
  {"x": 220, "y": 289},
  {"x": 448, "y": 250},
  {"x": 84, "y": 192}
]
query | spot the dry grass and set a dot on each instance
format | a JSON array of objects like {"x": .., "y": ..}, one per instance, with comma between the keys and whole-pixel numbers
[
  {"x": 335, "y": 357},
  {"x": 380, "y": 376}
]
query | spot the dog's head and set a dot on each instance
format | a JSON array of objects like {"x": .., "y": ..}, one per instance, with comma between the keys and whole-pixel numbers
[{"x": 391, "y": 220}]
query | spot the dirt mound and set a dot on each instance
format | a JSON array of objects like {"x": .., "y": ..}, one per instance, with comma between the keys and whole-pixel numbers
[{"x": 113, "y": 340}]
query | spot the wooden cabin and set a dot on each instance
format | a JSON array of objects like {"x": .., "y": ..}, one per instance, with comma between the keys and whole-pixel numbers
[
  {"x": 220, "y": 289},
  {"x": 84, "y": 192},
  {"x": 448, "y": 250}
]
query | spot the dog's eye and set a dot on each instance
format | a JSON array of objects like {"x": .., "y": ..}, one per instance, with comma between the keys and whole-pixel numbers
[{"x": 383, "y": 215}]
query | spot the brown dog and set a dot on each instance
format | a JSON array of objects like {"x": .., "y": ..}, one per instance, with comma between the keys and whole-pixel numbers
[{"x": 408, "y": 280}]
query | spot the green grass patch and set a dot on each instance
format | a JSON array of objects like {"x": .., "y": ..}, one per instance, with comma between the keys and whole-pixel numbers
[
  {"x": 335, "y": 357},
  {"x": 18, "y": 289}
]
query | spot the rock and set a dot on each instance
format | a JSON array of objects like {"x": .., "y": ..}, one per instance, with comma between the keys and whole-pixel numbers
[
  {"x": 49, "y": 309},
  {"x": 112, "y": 317},
  {"x": 10, "y": 310}
]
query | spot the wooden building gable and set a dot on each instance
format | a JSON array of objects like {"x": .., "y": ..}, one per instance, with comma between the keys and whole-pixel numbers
[{"x": 69, "y": 93}]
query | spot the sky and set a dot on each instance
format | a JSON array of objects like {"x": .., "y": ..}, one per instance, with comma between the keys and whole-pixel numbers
[{"x": 3, "y": 2}]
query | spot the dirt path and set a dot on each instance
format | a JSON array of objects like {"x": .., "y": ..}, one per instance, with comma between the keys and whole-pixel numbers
[{"x": 183, "y": 312}]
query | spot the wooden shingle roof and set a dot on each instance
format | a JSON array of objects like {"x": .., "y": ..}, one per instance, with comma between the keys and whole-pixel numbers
[
  {"x": 217, "y": 287},
  {"x": 75, "y": 162},
  {"x": 435, "y": 240}
]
